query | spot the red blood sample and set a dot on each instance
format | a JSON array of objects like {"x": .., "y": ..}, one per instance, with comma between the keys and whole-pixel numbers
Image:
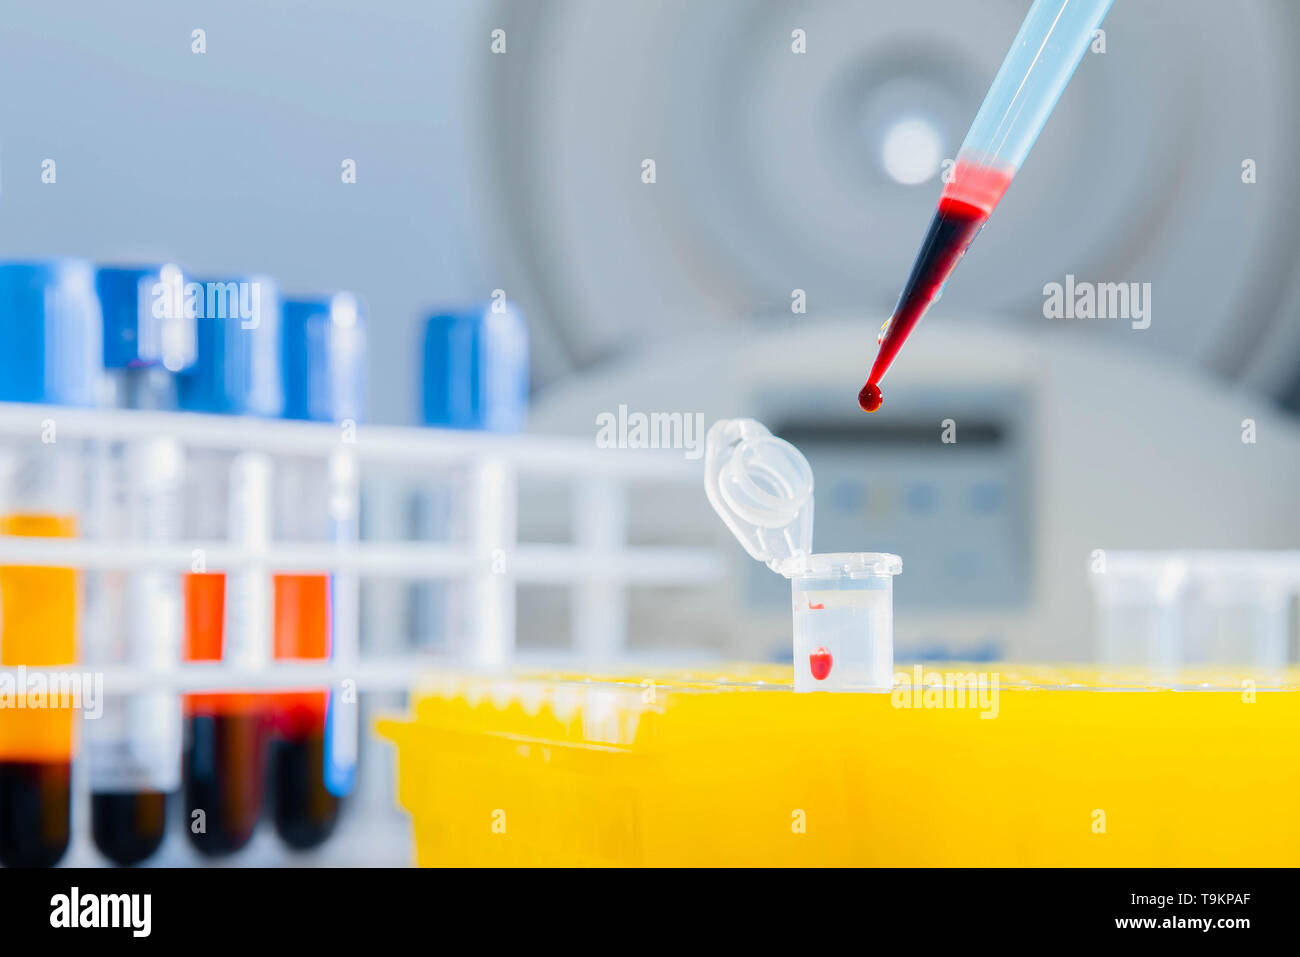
[
  {"x": 128, "y": 826},
  {"x": 224, "y": 767},
  {"x": 964, "y": 207},
  {"x": 35, "y": 797},
  {"x": 305, "y": 812},
  {"x": 870, "y": 398},
  {"x": 820, "y": 662}
]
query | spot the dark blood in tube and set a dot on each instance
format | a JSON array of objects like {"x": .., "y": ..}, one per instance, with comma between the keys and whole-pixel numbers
[
  {"x": 304, "y": 810},
  {"x": 224, "y": 765}
]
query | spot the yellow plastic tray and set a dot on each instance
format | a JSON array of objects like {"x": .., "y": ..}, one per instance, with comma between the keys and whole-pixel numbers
[{"x": 1069, "y": 767}]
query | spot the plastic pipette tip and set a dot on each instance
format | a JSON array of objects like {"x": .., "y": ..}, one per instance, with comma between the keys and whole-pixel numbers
[{"x": 870, "y": 398}]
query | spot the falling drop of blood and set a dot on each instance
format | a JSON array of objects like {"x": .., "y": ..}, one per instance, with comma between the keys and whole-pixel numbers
[
  {"x": 870, "y": 398},
  {"x": 820, "y": 662}
]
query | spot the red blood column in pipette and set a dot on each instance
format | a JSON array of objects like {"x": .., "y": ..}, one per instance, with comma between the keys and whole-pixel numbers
[{"x": 964, "y": 207}]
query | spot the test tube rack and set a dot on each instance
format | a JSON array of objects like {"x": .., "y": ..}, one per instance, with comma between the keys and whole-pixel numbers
[{"x": 599, "y": 566}]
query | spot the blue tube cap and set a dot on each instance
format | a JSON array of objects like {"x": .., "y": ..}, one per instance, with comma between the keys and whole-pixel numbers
[
  {"x": 476, "y": 369},
  {"x": 236, "y": 368},
  {"x": 145, "y": 321},
  {"x": 51, "y": 335},
  {"x": 324, "y": 359}
]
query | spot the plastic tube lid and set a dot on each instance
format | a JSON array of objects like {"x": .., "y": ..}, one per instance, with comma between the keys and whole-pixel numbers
[
  {"x": 145, "y": 321},
  {"x": 50, "y": 333},
  {"x": 762, "y": 488},
  {"x": 237, "y": 369},
  {"x": 324, "y": 359},
  {"x": 476, "y": 368}
]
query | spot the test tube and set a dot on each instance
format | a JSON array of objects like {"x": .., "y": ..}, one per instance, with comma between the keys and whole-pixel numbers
[
  {"x": 50, "y": 353},
  {"x": 313, "y": 747},
  {"x": 135, "y": 619},
  {"x": 228, "y": 616},
  {"x": 475, "y": 377}
]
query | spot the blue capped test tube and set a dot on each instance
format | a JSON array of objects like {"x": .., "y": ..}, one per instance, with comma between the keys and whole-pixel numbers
[
  {"x": 237, "y": 371},
  {"x": 475, "y": 378},
  {"x": 314, "y": 750},
  {"x": 135, "y": 619},
  {"x": 51, "y": 353}
]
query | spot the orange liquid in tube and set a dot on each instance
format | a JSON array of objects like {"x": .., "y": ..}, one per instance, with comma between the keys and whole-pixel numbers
[{"x": 38, "y": 629}]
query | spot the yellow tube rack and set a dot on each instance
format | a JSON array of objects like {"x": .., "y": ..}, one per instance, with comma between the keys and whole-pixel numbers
[{"x": 1060, "y": 767}]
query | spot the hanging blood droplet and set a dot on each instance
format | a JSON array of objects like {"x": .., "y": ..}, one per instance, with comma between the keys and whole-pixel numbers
[
  {"x": 820, "y": 662},
  {"x": 870, "y": 398}
]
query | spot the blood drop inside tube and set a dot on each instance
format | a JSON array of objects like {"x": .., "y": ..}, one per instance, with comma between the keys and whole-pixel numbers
[{"x": 820, "y": 662}]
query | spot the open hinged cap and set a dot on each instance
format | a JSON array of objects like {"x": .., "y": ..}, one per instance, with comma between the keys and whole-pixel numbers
[{"x": 762, "y": 487}]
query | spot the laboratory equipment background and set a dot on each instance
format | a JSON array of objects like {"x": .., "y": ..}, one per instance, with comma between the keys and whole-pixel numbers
[{"x": 776, "y": 172}]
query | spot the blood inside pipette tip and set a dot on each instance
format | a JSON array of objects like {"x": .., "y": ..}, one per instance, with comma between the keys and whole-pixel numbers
[{"x": 967, "y": 200}]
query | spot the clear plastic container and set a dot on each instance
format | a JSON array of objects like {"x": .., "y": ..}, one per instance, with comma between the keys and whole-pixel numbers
[
  {"x": 843, "y": 602},
  {"x": 1239, "y": 607},
  {"x": 1169, "y": 610},
  {"x": 1140, "y": 611},
  {"x": 844, "y": 622}
]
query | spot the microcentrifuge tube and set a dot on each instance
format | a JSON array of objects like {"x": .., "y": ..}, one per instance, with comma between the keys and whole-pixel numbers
[{"x": 843, "y": 602}]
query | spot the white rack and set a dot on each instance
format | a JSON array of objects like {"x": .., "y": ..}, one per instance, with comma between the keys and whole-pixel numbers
[{"x": 600, "y": 565}]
